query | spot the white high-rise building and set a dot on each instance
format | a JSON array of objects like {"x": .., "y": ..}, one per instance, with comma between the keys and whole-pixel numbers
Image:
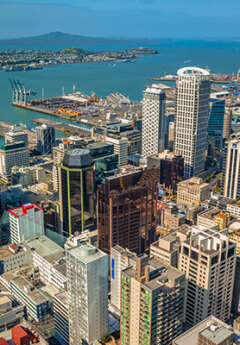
[
  {"x": 191, "y": 119},
  {"x": 87, "y": 276},
  {"x": 16, "y": 133},
  {"x": 153, "y": 120},
  {"x": 26, "y": 222},
  {"x": 120, "y": 259},
  {"x": 12, "y": 154},
  {"x": 231, "y": 168},
  {"x": 120, "y": 148}
]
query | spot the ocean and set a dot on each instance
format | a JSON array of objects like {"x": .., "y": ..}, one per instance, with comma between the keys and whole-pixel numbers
[{"x": 127, "y": 78}]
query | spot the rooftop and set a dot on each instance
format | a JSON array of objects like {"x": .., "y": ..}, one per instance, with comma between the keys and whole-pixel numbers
[
  {"x": 193, "y": 71},
  {"x": 46, "y": 248},
  {"x": 6, "y": 251},
  {"x": 86, "y": 253},
  {"x": 160, "y": 274},
  {"x": 211, "y": 213},
  {"x": 190, "y": 337},
  {"x": 77, "y": 158},
  {"x": 23, "y": 210},
  {"x": 62, "y": 297}
]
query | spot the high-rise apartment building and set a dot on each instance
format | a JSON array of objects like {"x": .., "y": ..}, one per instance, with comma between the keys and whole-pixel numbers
[
  {"x": 120, "y": 148},
  {"x": 26, "y": 222},
  {"x": 12, "y": 154},
  {"x": 191, "y": 119},
  {"x": 231, "y": 168},
  {"x": 87, "y": 273},
  {"x": 120, "y": 259},
  {"x": 76, "y": 192},
  {"x": 153, "y": 120},
  {"x": 45, "y": 138},
  {"x": 152, "y": 297},
  {"x": 16, "y": 133},
  {"x": 208, "y": 260},
  {"x": 127, "y": 210},
  {"x": 171, "y": 169}
]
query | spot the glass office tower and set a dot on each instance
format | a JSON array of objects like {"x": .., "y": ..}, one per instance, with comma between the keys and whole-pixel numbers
[{"x": 76, "y": 192}]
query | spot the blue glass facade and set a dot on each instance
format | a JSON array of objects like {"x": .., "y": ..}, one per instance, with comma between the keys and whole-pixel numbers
[{"x": 216, "y": 117}]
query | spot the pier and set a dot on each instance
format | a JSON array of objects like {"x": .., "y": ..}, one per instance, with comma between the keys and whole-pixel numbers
[{"x": 63, "y": 127}]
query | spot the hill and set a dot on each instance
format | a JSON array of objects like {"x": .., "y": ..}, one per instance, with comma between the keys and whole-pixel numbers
[{"x": 59, "y": 38}]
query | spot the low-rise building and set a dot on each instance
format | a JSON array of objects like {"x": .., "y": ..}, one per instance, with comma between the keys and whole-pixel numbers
[
  {"x": 28, "y": 176},
  {"x": 192, "y": 191},
  {"x": 213, "y": 216},
  {"x": 171, "y": 218},
  {"x": 24, "y": 286},
  {"x": 11, "y": 313},
  {"x": 14, "y": 256},
  {"x": 49, "y": 257},
  {"x": 234, "y": 208}
]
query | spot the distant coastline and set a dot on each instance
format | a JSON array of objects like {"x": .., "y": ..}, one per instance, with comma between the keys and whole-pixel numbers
[{"x": 29, "y": 59}]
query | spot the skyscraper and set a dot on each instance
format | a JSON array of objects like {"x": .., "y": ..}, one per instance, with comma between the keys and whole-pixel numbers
[
  {"x": 216, "y": 117},
  {"x": 152, "y": 295},
  {"x": 231, "y": 168},
  {"x": 127, "y": 210},
  {"x": 76, "y": 191},
  {"x": 87, "y": 274},
  {"x": 171, "y": 169},
  {"x": 153, "y": 120},
  {"x": 208, "y": 260},
  {"x": 45, "y": 138},
  {"x": 191, "y": 120}
]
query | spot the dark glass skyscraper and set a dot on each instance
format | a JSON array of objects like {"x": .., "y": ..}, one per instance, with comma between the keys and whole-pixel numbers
[
  {"x": 127, "y": 210},
  {"x": 76, "y": 191}
]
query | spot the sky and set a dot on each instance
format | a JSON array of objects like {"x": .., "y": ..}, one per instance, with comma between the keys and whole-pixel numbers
[{"x": 121, "y": 18}]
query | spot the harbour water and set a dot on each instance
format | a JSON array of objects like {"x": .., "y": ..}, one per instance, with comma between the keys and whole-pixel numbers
[{"x": 127, "y": 78}]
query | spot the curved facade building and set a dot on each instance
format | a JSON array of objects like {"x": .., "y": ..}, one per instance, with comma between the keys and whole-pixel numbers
[
  {"x": 191, "y": 120},
  {"x": 76, "y": 191}
]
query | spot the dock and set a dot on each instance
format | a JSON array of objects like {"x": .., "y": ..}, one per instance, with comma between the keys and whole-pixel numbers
[{"x": 63, "y": 127}]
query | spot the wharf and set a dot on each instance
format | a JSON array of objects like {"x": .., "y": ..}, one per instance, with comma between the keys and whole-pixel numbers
[
  {"x": 42, "y": 110},
  {"x": 5, "y": 127},
  {"x": 63, "y": 127}
]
